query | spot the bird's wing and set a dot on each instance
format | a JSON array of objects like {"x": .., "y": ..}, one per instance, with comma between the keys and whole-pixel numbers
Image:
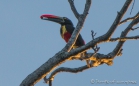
[{"x": 79, "y": 41}]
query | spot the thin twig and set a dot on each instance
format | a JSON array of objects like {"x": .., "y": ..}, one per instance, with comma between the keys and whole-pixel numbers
[
  {"x": 128, "y": 19},
  {"x": 132, "y": 7},
  {"x": 124, "y": 38},
  {"x": 95, "y": 48},
  {"x": 93, "y": 34},
  {"x": 134, "y": 28}
]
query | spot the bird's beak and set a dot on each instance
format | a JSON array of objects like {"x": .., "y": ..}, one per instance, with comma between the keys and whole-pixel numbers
[{"x": 53, "y": 18}]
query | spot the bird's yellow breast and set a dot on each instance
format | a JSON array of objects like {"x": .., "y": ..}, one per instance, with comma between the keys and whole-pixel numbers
[{"x": 63, "y": 31}]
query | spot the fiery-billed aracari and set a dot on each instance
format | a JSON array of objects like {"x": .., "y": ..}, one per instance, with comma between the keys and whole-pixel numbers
[{"x": 66, "y": 29}]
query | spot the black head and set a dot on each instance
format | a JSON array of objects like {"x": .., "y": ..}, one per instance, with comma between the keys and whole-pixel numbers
[
  {"x": 67, "y": 21},
  {"x": 57, "y": 19}
]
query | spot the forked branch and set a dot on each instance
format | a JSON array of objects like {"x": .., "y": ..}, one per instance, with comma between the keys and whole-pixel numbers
[
  {"x": 125, "y": 32},
  {"x": 128, "y": 19},
  {"x": 73, "y": 8},
  {"x": 118, "y": 19},
  {"x": 76, "y": 32}
]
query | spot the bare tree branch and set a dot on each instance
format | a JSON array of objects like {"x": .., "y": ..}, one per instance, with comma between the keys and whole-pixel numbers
[
  {"x": 128, "y": 19},
  {"x": 73, "y": 8},
  {"x": 75, "y": 33},
  {"x": 124, "y": 38},
  {"x": 102, "y": 56},
  {"x": 65, "y": 69},
  {"x": 96, "y": 62},
  {"x": 87, "y": 7},
  {"x": 125, "y": 32},
  {"x": 132, "y": 7},
  {"x": 117, "y": 48},
  {"x": 118, "y": 19},
  {"x": 134, "y": 28}
]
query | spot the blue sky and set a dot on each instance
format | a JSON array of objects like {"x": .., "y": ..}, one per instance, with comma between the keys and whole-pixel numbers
[{"x": 26, "y": 41}]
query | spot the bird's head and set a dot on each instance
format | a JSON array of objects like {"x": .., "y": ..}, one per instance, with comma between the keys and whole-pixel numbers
[{"x": 57, "y": 19}]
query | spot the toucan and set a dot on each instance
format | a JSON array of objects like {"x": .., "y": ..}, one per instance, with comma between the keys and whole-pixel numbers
[{"x": 66, "y": 29}]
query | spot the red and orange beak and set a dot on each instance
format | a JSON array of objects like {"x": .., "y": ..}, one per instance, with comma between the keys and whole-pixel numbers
[{"x": 53, "y": 18}]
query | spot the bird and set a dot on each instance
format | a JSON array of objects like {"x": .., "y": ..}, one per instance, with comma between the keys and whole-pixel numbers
[{"x": 66, "y": 30}]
